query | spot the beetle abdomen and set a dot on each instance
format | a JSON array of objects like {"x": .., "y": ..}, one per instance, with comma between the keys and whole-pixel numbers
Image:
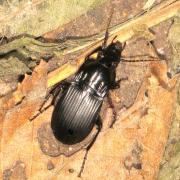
[{"x": 75, "y": 114}]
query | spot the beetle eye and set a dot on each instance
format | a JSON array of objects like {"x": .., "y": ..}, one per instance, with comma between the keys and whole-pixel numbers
[{"x": 70, "y": 131}]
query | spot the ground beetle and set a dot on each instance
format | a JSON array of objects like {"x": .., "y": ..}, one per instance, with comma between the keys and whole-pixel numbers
[{"x": 77, "y": 110}]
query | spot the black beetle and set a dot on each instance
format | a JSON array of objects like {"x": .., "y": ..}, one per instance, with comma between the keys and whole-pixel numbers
[{"x": 77, "y": 110}]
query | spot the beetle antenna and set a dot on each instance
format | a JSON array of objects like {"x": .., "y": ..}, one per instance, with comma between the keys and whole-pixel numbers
[
  {"x": 141, "y": 60},
  {"x": 104, "y": 45}
]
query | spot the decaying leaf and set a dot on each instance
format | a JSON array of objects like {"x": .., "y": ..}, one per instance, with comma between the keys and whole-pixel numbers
[
  {"x": 130, "y": 150},
  {"x": 19, "y": 106}
]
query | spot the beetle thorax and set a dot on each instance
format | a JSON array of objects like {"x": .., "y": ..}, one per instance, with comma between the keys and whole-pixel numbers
[{"x": 95, "y": 79}]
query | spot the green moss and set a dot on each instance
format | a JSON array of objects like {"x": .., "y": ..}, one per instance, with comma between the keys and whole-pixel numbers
[
  {"x": 174, "y": 38},
  {"x": 12, "y": 66},
  {"x": 171, "y": 170},
  {"x": 170, "y": 166},
  {"x": 37, "y": 19}
]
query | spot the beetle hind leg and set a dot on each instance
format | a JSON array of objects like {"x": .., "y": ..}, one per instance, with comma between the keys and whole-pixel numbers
[{"x": 99, "y": 127}]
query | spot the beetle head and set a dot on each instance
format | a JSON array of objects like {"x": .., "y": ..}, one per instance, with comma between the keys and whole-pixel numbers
[{"x": 111, "y": 54}]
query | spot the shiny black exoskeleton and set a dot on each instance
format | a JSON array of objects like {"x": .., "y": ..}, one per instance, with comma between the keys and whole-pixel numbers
[{"x": 77, "y": 110}]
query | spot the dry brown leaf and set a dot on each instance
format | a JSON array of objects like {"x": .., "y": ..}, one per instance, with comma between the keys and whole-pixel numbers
[
  {"x": 22, "y": 104},
  {"x": 136, "y": 141}
]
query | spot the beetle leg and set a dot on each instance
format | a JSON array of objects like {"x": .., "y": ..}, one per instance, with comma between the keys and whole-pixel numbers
[
  {"x": 55, "y": 92},
  {"x": 99, "y": 127},
  {"x": 116, "y": 84},
  {"x": 110, "y": 101}
]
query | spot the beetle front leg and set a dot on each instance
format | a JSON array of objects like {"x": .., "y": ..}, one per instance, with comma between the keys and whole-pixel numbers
[{"x": 55, "y": 92}]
